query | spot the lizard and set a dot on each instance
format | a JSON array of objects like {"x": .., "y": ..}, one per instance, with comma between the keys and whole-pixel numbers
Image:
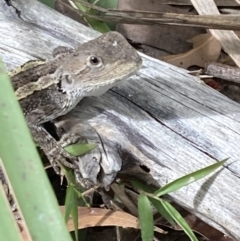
[{"x": 49, "y": 89}]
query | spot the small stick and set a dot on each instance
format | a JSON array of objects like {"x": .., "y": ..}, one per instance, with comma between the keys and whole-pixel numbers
[{"x": 222, "y": 71}]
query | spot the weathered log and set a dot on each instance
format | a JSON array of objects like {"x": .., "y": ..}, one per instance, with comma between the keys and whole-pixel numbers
[{"x": 161, "y": 118}]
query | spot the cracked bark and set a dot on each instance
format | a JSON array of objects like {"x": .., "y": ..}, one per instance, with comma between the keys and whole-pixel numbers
[{"x": 161, "y": 118}]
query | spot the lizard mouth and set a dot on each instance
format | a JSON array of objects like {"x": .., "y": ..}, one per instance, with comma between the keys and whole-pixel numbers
[{"x": 100, "y": 87}]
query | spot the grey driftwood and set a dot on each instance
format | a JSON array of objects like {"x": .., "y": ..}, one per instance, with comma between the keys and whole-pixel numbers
[{"x": 161, "y": 118}]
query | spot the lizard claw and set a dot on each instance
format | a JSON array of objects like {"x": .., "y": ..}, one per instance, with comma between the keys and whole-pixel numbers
[{"x": 56, "y": 156}]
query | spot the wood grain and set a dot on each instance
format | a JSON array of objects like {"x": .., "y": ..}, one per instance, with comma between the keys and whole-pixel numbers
[{"x": 161, "y": 118}]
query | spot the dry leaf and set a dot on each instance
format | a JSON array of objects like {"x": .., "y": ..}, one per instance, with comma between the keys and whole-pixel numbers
[
  {"x": 205, "y": 48},
  {"x": 92, "y": 217},
  {"x": 228, "y": 39}
]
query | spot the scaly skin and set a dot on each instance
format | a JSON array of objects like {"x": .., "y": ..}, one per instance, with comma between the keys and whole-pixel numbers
[{"x": 47, "y": 90}]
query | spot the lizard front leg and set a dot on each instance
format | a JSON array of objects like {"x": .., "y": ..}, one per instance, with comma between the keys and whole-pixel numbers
[{"x": 54, "y": 151}]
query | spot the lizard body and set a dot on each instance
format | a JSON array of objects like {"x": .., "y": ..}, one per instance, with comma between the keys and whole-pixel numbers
[{"x": 49, "y": 89}]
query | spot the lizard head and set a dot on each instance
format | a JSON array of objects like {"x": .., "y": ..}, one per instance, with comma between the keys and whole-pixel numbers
[{"x": 98, "y": 65}]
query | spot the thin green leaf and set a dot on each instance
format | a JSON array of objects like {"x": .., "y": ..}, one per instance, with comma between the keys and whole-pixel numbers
[
  {"x": 69, "y": 202},
  {"x": 69, "y": 175},
  {"x": 141, "y": 186},
  {"x": 77, "y": 188},
  {"x": 185, "y": 180},
  {"x": 74, "y": 214},
  {"x": 95, "y": 24},
  {"x": 79, "y": 149},
  {"x": 71, "y": 208},
  {"x": 160, "y": 208},
  {"x": 179, "y": 219},
  {"x": 24, "y": 169},
  {"x": 145, "y": 217},
  {"x": 82, "y": 201},
  {"x": 106, "y": 4}
]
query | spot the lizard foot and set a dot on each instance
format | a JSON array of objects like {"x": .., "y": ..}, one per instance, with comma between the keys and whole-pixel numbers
[
  {"x": 84, "y": 182},
  {"x": 59, "y": 155},
  {"x": 67, "y": 140}
]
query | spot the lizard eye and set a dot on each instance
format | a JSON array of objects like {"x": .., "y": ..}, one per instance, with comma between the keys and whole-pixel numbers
[{"x": 94, "y": 61}]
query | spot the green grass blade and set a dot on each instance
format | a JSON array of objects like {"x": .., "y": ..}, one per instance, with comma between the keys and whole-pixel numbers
[
  {"x": 141, "y": 186},
  {"x": 69, "y": 175},
  {"x": 95, "y": 24},
  {"x": 71, "y": 207},
  {"x": 160, "y": 208},
  {"x": 185, "y": 180},
  {"x": 68, "y": 202},
  {"x": 179, "y": 220},
  {"x": 145, "y": 217},
  {"x": 25, "y": 172},
  {"x": 74, "y": 214},
  {"x": 107, "y": 4},
  {"x": 79, "y": 149}
]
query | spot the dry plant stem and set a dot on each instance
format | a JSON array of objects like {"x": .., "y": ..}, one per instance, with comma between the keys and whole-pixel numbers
[
  {"x": 223, "y": 71},
  {"x": 219, "y": 3},
  {"x": 125, "y": 199},
  {"x": 89, "y": 191},
  {"x": 109, "y": 202},
  {"x": 145, "y": 17}
]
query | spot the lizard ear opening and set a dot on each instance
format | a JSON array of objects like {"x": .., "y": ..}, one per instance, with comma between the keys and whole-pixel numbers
[
  {"x": 68, "y": 79},
  {"x": 64, "y": 82}
]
